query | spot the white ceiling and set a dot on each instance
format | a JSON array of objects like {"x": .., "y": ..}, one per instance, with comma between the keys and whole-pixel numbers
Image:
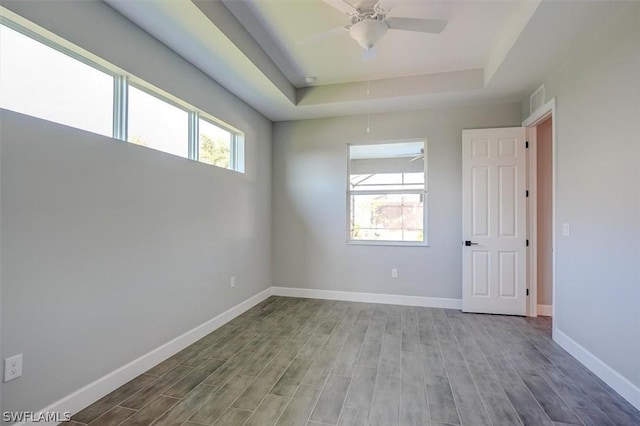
[
  {"x": 399, "y": 53},
  {"x": 490, "y": 51}
]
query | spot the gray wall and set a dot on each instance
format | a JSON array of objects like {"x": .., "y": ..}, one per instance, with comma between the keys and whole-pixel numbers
[
  {"x": 309, "y": 202},
  {"x": 598, "y": 193},
  {"x": 110, "y": 250}
]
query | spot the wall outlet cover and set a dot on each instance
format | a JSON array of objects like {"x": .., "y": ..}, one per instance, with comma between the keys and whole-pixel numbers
[{"x": 12, "y": 367}]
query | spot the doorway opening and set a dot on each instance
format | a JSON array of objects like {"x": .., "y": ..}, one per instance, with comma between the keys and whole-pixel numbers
[
  {"x": 541, "y": 216},
  {"x": 544, "y": 217}
]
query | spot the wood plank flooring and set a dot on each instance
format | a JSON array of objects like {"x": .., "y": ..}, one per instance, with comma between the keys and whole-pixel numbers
[{"x": 306, "y": 362}]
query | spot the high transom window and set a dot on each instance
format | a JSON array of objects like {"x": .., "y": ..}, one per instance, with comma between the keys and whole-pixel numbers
[{"x": 42, "y": 78}]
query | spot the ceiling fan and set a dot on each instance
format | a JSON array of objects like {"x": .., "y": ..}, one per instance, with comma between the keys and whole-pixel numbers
[{"x": 369, "y": 22}]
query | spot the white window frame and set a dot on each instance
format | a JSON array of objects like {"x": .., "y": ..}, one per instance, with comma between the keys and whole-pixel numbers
[
  {"x": 423, "y": 192},
  {"x": 121, "y": 82}
]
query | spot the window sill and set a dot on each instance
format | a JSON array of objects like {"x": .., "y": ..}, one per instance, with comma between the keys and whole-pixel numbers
[{"x": 387, "y": 243}]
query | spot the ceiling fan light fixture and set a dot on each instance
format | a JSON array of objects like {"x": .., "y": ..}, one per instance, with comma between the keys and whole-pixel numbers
[{"x": 367, "y": 32}]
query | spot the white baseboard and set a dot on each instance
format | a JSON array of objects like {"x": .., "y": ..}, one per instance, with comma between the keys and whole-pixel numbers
[
  {"x": 101, "y": 387},
  {"x": 92, "y": 392},
  {"x": 545, "y": 310},
  {"x": 348, "y": 296},
  {"x": 620, "y": 384}
]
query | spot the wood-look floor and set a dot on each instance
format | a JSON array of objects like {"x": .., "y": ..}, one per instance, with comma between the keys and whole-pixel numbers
[{"x": 310, "y": 362}]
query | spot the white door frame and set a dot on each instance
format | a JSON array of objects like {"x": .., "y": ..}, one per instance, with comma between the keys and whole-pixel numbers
[{"x": 537, "y": 117}]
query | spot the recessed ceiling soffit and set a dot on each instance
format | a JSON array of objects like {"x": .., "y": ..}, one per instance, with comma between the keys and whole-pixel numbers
[{"x": 253, "y": 30}]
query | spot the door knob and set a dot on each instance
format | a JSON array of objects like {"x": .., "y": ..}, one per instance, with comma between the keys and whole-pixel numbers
[{"x": 469, "y": 243}]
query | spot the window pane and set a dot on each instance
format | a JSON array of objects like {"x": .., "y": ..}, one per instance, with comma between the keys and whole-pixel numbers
[
  {"x": 214, "y": 145},
  {"x": 387, "y": 217},
  {"x": 40, "y": 81},
  {"x": 157, "y": 124}
]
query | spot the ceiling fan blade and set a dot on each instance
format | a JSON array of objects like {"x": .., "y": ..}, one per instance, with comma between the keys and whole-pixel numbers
[
  {"x": 323, "y": 35},
  {"x": 342, "y": 6},
  {"x": 387, "y": 5},
  {"x": 434, "y": 26}
]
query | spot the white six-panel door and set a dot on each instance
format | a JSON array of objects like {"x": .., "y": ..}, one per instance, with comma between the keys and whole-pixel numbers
[{"x": 494, "y": 221}]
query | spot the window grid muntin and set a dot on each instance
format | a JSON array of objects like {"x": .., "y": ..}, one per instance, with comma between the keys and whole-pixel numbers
[
  {"x": 194, "y": 135},
  {"x": 120, "y": 107}
]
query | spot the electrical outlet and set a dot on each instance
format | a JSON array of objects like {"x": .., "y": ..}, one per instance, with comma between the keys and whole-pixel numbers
[
  {"x": 13, "y": 367},
  {"x": 394, "y": 273},
  {"x": 233, "y": 282}
]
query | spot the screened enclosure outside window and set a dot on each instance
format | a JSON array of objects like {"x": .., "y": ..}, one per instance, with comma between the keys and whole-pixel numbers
[
  {"x": 387, "y": 193},
  {"x": 43, "y": 82}
]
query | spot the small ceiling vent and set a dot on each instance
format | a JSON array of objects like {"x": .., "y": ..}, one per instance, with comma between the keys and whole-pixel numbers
[{"x": 536, "y": 100}]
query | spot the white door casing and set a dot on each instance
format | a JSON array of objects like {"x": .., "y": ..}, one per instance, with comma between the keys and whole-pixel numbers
[{"x": 494, "y": 221}]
